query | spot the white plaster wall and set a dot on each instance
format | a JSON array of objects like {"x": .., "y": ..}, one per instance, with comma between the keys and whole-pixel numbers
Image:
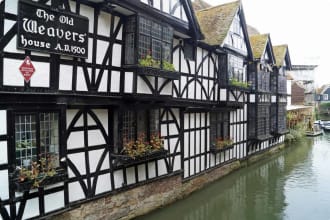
[
  {"x": 142, "y": 172},
  {"x": 78, "y": 160},
  {"x": 76, "y": 140},
  {"x": 12, "y": 75},
  {"x": 118, "y": 178},
  {"x": 152, "y": 169},
  {"x": 41, "y": 76},
  {"x": 4, "y": 185},
  {"x": 103, "y": 184},
  {"x": 31, "y": 208},
  {"x": 3, "y": 122},
  {"x": 115, "y": 79},
  {"x": 70, "y": 114},
  {"x": 130, "y": 174},
  {"x": 142, "y": 87},
  {"x": 81, "y": 81},
  {"x": 3, "y": 154},
  {"x": 65, "y": 77},
  {"x": 95, "y": 158},
  {"x": 75, "y": 192},
  {"x": 128, "y": 82},
  {"x": 54, "y": 201}
]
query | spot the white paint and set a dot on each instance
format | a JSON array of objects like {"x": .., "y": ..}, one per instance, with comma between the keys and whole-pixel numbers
[
  {"x": 130, "y": 174},
  {"x": 223, "y": 94},
  {"x": 186, "y": 145},
  {"x": 3, "y": 154},
  {"x": 11, "y": 46},
  {"x": 41, "y": 76},
  {"x": 186, "y": 164},
  {"x": 116, "y": 55},
  {"x": 142, "y": 87},
  {"x": 12, "y": 7},
  {"x": 12, "y": 75},
  {"x": 78, "y": 160},
  {"x": 166, "y": 7},
  {"x": 54, "y": 201},
  {"x": 102, "y": 47},
  {"x": 142, "y": 172},
  {"x": 31, "y": 208},
  {"x": 152, "y": 170},
  {"x": 104, "y": 82},
  {"x": 167, "y": 90},
  {"x": 103, "y": 24},
  {"x": 115, "y": 81},
  {"x": 70, "y": 114},
  {"x": 118, "y": 179},
  {"x": 128, "y": 82},
  {"x": 90, "y": 50},
  {"x": 3, "y": 122},
  {"x": 191, "y": 89},
  {"x": 197, "y": 135},
  {"x": 120, "y": 33},
  {"x": 176, "y": 59},
  {"x": 184, "y": 64},
  {"x": 157, "y": 4},
  {"x": 95, "y": 137},
  {"x": 173, "y": 142},
  {"x": 76, "y": 140},
  {"x": 192, "y": 144},
  {"x": 4, "y": 185},
  {"x": 183, "y": 83},
  {"x": 103, "y": 184},
  {"x": 81, "y": 81},
  {"x": 163, "y": 130},
  {"x": 94, "y": 159},
  {"x": 202, "y": 142},
  {"x": 65, "y": 77},
  {"x": 102, "y": 115},
  {"x": 177, "y": 163},
  {"x": 191, "y": 164},
  {"x": 75, "y": 192}
]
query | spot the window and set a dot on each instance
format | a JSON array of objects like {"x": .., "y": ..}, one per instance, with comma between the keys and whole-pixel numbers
[
  {"x": 219, "y": 126},
  {"x": 236, "y": 68},
  {"x": 137, "y": 123},
  {"x": 154, "y": 40},
  {"x": 36, "y": 136},
  {"x": 325, "y": 97},
  {"x": 189, "y": 50}
]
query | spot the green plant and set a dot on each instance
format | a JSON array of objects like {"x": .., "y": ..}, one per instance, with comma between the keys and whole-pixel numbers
[
  {"x": 148, "y": 61},
  {"x": 221, "y": 143},
  {"x": 236, "y": 82},
  {"x": 168, "y": 66},
  {"x": 140, "y": 147},
  {"x": 38, "y": 171}
]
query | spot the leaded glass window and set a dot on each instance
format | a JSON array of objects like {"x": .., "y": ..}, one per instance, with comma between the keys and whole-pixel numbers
[
  {"x": 36, "y": 136},
  {"x": 154, "y": 41},
  {"x": 219, "y": 126}
]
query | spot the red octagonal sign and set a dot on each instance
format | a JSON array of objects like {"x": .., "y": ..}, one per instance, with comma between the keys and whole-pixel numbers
[{"x": 27, "y": 69}]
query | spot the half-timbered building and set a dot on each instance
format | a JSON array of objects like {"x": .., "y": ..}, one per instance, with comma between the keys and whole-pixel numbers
[
  {"x": 260, "y": 70},
  {"x": 82, "y": 80}
]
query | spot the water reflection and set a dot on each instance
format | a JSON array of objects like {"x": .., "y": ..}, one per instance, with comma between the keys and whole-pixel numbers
[{"x": 293, "y": 184}]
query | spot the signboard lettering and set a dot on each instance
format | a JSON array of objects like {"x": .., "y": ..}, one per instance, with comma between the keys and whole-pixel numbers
[{"x": 44, "y": 29}]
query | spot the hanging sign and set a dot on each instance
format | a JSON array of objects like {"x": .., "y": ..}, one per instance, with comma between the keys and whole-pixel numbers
[
  {"x": 27, "y": 69},
  {"x": 44, "y": 29}
]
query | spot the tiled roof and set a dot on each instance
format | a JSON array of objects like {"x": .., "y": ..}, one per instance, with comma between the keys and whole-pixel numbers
[
  {"x": 215, "y": 22},
  {"x": 279, "y": 53},
  {"x": 258, "y": 44},
  {"x": 200, "y": 4}
]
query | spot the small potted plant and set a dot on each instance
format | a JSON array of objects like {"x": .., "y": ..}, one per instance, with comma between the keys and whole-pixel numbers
[
  {"x": 221, "y": 144},
  {"x": 140, "y": 149},
  {"x": 38, "y": 174}
]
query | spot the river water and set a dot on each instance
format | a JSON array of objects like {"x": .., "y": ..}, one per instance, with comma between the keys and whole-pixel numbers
[{"x": 293, "y": 184}]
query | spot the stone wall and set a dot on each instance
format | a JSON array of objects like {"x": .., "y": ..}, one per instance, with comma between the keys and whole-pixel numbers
[{"x": 143, "y": 199}]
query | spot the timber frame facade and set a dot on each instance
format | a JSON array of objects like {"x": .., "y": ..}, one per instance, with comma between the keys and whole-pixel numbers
[{"x": 83, "y": 111}]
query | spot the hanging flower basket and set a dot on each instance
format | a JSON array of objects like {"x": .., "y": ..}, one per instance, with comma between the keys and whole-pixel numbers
[
  {"x": 221, "y": 145},
  {"x": 40, "y": 181}
]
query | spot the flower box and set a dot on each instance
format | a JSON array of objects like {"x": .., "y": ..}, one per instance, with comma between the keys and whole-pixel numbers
[
  {"x": 122, "y": 159},
  {"x": 26, "y": 185},
  {"x": 151, "y": 71},
  {"x": 214, "y": 149}
]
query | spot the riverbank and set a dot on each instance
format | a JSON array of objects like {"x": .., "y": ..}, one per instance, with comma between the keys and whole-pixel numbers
[{"x": 146, "y": 198}]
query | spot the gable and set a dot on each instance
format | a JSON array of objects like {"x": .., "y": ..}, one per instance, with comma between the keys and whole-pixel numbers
[{"x": 235, "y": 37}]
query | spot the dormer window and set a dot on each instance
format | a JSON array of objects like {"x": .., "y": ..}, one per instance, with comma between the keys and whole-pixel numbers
[{"x": 148, "y": 43}]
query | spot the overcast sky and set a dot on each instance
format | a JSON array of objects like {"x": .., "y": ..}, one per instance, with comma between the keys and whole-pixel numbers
[{"x": 302, "y": 24}]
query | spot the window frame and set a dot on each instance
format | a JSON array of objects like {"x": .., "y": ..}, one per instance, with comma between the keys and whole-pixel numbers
[
  {"x": 150, "y": 40},
  {"x": 221, "y": 121},
  {"x": 147, "y": 130},
  {"x": 37, "y": 113}
]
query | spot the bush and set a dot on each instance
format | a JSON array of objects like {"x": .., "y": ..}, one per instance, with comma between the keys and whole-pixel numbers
[{"x": 296, "y": 133}]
